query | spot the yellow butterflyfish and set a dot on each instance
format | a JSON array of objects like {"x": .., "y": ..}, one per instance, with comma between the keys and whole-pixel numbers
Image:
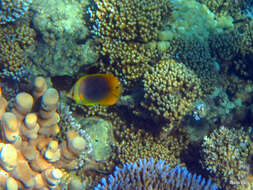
[{"x": 102, "y": 89}]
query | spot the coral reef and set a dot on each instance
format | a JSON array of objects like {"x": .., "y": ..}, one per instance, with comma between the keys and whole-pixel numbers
[
  {"x": 170, "y": 90},
  {"x": 149, "y": 174},
  {"x": 12, "y": 10},
  {"x": 185, "y": 67},
  {"x": 30, "y": 156},
  {"x": 225, "y": 154},
  {"x": 226, "y": 46},
  {"x": 127, "y": 60}
]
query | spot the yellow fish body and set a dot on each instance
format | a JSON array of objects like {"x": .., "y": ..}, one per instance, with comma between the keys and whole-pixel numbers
[{"x": 102, "y": 89}]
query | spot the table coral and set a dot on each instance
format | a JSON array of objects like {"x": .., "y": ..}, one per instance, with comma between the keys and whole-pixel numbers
[
  {"x": 30, "y": 156},
  {"x": 170, "y": 90},
  {"x": 225, "y": 153},
  {"x": 149, "y": 174},
  {"x": 11, "y": 10}
]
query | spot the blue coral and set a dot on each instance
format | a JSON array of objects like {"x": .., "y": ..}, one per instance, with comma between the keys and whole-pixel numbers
[
  {"x": 148, "y": 174},
  {"x": 11, "y": 10}
]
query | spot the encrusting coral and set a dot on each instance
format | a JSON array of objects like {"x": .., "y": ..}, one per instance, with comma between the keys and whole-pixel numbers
[{"x": 30, "y": 156}]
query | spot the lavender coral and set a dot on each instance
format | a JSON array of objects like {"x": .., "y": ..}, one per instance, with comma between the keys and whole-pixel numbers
[{"x": 148, "y": 174}]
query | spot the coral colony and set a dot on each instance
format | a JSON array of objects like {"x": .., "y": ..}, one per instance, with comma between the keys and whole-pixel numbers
[{"x": 126, "y": 94}]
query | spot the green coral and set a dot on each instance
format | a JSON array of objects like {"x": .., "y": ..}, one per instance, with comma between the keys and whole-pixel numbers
[
  {"x": 101, "y": 137},
  {"x": 190, "y": 19}
]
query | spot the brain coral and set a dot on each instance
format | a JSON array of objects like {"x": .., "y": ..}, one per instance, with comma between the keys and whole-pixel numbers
[
  {"x": 148, "y": 174},
  {"x": 170, "y": 90},
  {"x": 11, "y": 10},
  {"x": 225, "y": 154}
]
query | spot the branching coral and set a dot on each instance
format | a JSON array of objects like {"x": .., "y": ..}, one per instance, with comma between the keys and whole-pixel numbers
[
  {"x": 227, "y": 7},
  {"x": 128, "y": 20},
  {"x": 123, "y": 28},
  {"x": 128, "y": 60},
  {"x": 225, "y": 154},
  {"x": 11, "y": 10},
  {"x": 149, "y": 174},
  {"x": 134, "y": 144},
  {"x": 226, "y": 46},
  {"x": 170, "y": 90},
  {"x": 15, "y": 41}
]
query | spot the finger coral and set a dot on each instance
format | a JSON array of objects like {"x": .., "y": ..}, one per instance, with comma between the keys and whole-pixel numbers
[
  {"x": 30, "y": 155},
  {"x": 148, "y": 174}
]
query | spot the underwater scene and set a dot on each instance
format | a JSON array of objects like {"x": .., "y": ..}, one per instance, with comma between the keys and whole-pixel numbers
[{"x": 126, "y": 94}]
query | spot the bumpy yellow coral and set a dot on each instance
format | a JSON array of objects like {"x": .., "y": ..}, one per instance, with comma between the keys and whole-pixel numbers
[
  {"x": 123, "y": 29},
  {"x": 170, "y": 91}
]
